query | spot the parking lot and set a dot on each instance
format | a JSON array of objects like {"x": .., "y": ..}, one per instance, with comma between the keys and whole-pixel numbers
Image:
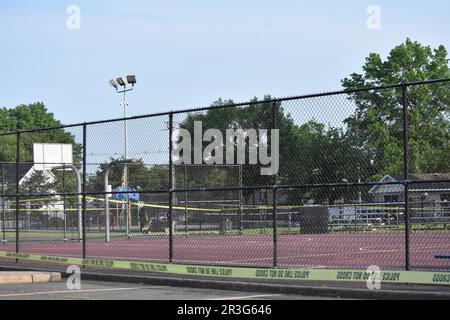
[{"x": 97, "y": 290}]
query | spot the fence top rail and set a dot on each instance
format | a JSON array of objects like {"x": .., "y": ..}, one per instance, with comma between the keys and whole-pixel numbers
[{"x": 234, "y": 105}]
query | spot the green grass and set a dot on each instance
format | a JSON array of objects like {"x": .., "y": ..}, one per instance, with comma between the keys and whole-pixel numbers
[
  {"x": 55, "y": 234},
  {"x": 59, "y": 234}
]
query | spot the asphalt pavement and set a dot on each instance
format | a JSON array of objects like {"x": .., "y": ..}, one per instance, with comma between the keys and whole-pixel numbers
[{"x": 99, "y": 290}]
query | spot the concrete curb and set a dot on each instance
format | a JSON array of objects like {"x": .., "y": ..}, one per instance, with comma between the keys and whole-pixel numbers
[
  {"x": 247, "y": 285},
  {"x": 271, "y": 288},
  {"x": 25, "y": 277}
]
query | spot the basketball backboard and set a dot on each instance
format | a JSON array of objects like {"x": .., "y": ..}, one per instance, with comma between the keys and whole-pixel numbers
[{"x": 49, "y": 155}]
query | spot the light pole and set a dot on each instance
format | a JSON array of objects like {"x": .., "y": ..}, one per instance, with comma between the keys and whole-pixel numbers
[
  {"x": 3, "y": 205},
  {"x": 423, "y": 197},
  {"x": 359, "y": 182},
  {"x": 107, "y": 171},
  {"x": 79, "y": 205},
  {"x": 122, "y": 83}
]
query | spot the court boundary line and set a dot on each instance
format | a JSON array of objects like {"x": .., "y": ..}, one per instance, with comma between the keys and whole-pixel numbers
[{"x": 335, "y": 275}]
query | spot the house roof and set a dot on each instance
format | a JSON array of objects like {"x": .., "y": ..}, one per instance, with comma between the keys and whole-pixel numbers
[
  {"x": 422, "y": 176},
  {"x": 433, "y": 181},
  {"x": 10, "y": 172},
  {"x": 430, "y": 176}
]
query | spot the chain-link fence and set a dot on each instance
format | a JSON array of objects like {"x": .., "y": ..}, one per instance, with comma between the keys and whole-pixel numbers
[{"x": 357, "y": 178}]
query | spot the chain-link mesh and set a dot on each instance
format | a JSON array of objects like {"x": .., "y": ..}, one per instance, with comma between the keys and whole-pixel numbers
[
  {"x": 346, "y": 233},
  {"x": 8, "y": 224},
  {"x": 50, "y": 208},
  {"x": 362, "y": 178},
  {"x": 220, "y": 234},
  {"x": 430, "y": 224}
]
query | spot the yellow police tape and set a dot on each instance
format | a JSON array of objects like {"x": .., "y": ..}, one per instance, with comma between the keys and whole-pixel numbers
[
  {"x": 343, "y": 275},
  {"x": 139, "y": 204},
  {"x": 233, "y": 209},
  {"x": 244, "y": 206}
]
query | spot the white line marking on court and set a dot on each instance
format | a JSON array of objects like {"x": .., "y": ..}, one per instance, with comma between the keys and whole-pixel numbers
[
  {"x": 344, "y": 253},
  {"x": 248, "y": 297},
  {"x": 66, "y": 291}
]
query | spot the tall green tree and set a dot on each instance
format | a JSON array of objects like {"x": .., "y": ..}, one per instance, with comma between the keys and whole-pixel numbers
[
  {"x": 325, "y": 155},
  {"x": 310, "y": 153},
  {"x": 36, "y": 183},
  {"x": 32, "y": 116},
  {"x": 140, "y": 177},
  {"x": 376, "y": 126},
  {"x": 255, "y": 116}
]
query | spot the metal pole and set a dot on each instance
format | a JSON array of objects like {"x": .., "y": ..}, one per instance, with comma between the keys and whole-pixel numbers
[
  {"x": 262, "y": 223},
  {"x": 275, "y": 195},
  {"x": 170, "y": 188},
  {"x": 405, "y": 177},
  {"x": 79, "y": 192},
  {"x": 125, "y": 167},
  {"x": 275, "y": 229},
  {"x": 17, "y": 192},
  {"x": 79, "y": 205},
  {"x": 240, "y": 200},
  {"x": 289, "y": 221},
  {"x": 3, "y": 204},
  {"x": 185, "y": 201},
  {"x": 359, "y": 187},
  {"x": 84, "y": 191},
  {"x": 28, "y": 215},
  {"x": 174, "y": 179},
  {"x": 64, "y": 202},
  {"x": 107, "y": 237}
]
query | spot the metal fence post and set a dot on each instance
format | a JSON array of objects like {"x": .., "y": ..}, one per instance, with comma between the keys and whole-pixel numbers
[
  {"x": 275, "y": 227},
  {"x": 185, "y": 201},
  {"x": 405, "y": 176},
  {"x": 64, "y": 202},
  {"x": 275, "y": 194},
  {"x": 241, "y": 227},
  {"x": 84, "y": 190},
  {"x": 17, "y": 192},
  {"x": 3, "y": 204},
  {"x": 170, "y": 188}
]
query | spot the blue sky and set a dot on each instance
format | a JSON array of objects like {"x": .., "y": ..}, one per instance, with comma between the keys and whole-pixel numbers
[{"x": 189, "y": 53}]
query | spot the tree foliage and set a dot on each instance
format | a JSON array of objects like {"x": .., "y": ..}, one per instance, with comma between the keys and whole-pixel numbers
[
  {"x": 367, "y": 146},
  {"x": 32, "y": 116},
  {"x": 140, "y": 176},
  {"x": 309, "y": 153},
  {"x": 37, "y": 183},
  {"x": 377, "y": 124}
]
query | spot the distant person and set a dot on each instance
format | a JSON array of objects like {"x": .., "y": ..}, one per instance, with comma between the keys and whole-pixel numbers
[
  {"x": 143, "y": 219},
  {"x": 167, "y": 215}
]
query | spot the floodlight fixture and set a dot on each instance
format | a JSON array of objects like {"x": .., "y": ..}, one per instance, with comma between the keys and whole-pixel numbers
[
  {"x": 121, "y": 82},
  {"x": 113, "y": 84},
  {"x": 131, "y": 79}
]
